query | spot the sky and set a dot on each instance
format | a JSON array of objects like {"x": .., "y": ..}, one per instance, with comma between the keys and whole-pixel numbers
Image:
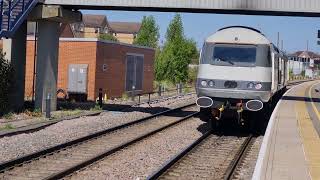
[{"x": 294, "y": 31}]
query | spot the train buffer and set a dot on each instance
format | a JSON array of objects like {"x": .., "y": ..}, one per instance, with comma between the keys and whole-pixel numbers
[{"x": 291, "y": 145}]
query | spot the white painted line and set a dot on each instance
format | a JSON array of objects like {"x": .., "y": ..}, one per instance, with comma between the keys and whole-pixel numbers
[{"x": 257, "y": 174}]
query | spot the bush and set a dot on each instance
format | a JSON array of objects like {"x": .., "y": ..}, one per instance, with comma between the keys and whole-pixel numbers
[
  {"x": 192, "y": 73},
  {"x": 6, "y": 84},
  {"x": 303, "y": 73},
  {"x": 108, "y": 37},
  {"x": 35, "y": 113}
]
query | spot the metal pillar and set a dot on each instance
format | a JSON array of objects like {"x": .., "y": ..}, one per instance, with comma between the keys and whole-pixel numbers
[
  {"x": 47, "y": 64},
  {"x": 15, "y": 52}
]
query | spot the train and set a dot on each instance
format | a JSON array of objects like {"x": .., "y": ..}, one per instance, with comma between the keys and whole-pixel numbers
[{"x": 240, "y": 70}]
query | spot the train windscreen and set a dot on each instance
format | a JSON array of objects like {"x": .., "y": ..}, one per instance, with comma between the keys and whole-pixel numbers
[{"x": 238, "y": 55}]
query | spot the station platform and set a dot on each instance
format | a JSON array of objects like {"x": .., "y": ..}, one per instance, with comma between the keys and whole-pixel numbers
[{"x": 291, "y": 145}]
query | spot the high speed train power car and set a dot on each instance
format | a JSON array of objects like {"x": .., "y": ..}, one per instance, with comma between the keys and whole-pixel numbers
[{"x": 240, "y": 70}]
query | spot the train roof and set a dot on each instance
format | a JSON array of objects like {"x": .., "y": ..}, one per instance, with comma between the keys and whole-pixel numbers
[
  {"x": 246, "y": 27},
  {"x": 239, "y": 35}
]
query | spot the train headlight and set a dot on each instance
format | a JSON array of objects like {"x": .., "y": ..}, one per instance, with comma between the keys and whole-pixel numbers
[
  {"x": 250, "y": 85},
  {"x": 211, "y": 83},
  {"x": 258, "y": 86},
  {"x": 204, "y": 83}
]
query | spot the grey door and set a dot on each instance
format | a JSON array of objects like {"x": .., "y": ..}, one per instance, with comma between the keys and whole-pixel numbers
[{"x": 77, "y": 81}]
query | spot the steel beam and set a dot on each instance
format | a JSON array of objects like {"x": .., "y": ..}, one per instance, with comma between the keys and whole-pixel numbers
[{"x": 257, "y": 7}]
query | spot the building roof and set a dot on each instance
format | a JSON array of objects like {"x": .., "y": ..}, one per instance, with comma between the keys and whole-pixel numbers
[
  {"x": 125, "y": 27},
  {"x": 306, "y": 54},
  {"x": 65, "y": 30},
  {"x": 95, "y": 21}
]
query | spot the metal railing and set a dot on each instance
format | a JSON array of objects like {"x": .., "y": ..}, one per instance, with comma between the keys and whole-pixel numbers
[
  {"x": 12, "y": 15},
  {"x": 161, "y": 92}
]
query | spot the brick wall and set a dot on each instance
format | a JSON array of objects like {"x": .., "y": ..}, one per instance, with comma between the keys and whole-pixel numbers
[
  {"x": 95, "y": 54},
  {"x": 112, "y": 81},
  {"x": 69, "y": 53}
]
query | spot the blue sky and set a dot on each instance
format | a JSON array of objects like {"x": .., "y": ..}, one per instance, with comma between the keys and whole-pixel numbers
[{"x": 294, "y": 31}]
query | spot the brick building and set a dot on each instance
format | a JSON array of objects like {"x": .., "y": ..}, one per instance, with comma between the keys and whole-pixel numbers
[{"x": 114, "y": 67}]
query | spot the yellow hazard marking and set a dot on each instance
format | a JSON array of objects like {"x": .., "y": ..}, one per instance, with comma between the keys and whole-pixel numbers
[
  {"x": 313, "y": 103},
  {"x": 309, "y": 136}
]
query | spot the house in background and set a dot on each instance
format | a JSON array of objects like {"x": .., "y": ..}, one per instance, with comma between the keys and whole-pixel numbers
[
  {"x": 91, "y": 26},
  {"x": 125, "y": 32},
  {"x": 304, "y": 61}
]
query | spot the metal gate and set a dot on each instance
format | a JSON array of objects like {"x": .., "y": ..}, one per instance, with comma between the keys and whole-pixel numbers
[
  {"x": 77, "y": 81},
  {"x": 134, "y": 72}
]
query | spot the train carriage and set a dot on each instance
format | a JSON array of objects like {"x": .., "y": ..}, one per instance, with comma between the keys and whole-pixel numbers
[{"x": 240, "y": 70}]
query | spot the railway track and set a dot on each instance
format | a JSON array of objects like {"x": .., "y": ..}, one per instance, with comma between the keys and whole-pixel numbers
[
  {"x": 59, "y": 161},
  {"x": 210, "y": 157}
]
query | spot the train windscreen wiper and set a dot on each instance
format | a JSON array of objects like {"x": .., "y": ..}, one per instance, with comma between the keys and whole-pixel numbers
[{"x": 223, "y": 60}]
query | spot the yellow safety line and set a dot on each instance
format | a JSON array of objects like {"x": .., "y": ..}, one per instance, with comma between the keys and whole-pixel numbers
[
  {"x": 312, "y": 102},
  {"x": 309, "y": 136}
]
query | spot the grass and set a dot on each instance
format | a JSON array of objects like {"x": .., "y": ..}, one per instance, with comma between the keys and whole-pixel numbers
[
  {"x": 125, "y": 96},
  {"x": 7, "y": 127},
  {"x": 8, "y": 116},
  {"x": 96, "y": 108}
]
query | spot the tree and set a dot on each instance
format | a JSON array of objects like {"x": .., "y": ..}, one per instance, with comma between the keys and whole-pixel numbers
[
  {"x": 6, "y": 83},
  {"x": 148, "y": 34},
  {"x": 175, "y": 29},
  {"x": 108, "y": 37},
  {"x": 172, "y": 63}
]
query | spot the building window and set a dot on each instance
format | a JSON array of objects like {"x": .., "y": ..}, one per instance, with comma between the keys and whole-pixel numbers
[{"x": 134, "y": 72}]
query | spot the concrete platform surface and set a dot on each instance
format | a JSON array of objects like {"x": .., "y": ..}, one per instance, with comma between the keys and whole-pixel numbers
[{"x": 291, "y": 145}]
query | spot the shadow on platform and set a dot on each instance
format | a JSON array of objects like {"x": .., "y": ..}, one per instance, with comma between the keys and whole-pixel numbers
[{"x": 297, "y": 98}]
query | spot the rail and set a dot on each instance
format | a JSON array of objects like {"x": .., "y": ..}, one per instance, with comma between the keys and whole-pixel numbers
[
  {"x": 15, "y": 162},
  {"x": 240, "y": 155}
]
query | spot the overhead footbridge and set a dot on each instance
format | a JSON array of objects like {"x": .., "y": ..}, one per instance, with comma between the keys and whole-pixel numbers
[{"x": 255, "y": 7}]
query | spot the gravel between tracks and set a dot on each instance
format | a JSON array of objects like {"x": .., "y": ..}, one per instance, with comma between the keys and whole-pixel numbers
[
  {"x": 19, "y": 145},
  {"x": 143, "y": 158},
  {"x": 245, "y": 171}
]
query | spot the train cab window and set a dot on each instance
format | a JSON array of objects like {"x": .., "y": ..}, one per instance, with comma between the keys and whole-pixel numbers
[{"x": 234, "y": 54}]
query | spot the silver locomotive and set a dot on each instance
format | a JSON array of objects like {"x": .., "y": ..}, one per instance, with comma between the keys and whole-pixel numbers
[{"x": 240, "y": 70}]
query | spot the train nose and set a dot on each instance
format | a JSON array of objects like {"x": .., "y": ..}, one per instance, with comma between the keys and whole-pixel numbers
[
  {"x": 204, "y": 102},
  {"x": 254, "y": 105}
]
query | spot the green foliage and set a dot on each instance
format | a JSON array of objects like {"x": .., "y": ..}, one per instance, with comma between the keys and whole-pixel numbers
[
  {"x": 193, "y": 71},
  {"x": 173, "y": 59},
  {"x": 6, "y": 84},
  {"x": 303, "y": 73},
  {"x": 291, "y": 73},
  {"x": 125, "y": 96},
  {"x": 35, "y": 113},
  {"x": 7, "y": 127},
  {"x": 175, "y": 29},
  {"x": 108, "y": 37},
  {"x": 8, "y": 115},
  {"x": 96, "y": 108},
  {"x": 149, "y": 33}
]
